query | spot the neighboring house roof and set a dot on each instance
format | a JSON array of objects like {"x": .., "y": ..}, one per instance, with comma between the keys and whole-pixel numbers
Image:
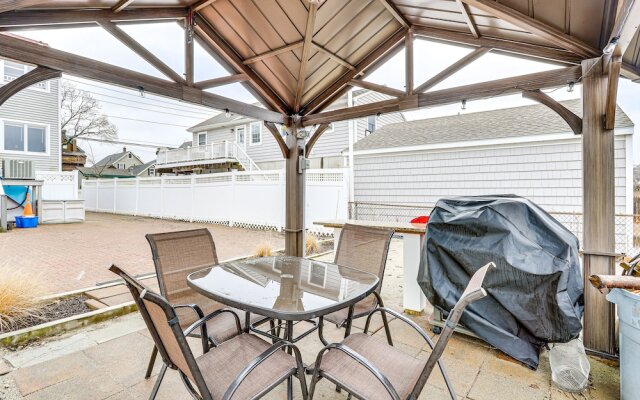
[
  {"x": 114, "y": 158},
  {"x": 138, "y": 169},
  {"x": 220, "y": 121},
  {"x": 185, "y": 144},
  {"x": 494, "y": 124},
  {"x": 105, "y": 172}
]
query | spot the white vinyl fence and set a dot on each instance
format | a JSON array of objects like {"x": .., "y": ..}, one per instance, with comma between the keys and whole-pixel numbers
[
  {"x": 58, "y": 185},
  {"x": 251, "y": 199}
]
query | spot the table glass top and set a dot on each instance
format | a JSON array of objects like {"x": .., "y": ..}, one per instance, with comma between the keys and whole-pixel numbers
[{"x": 291, "y": 287}]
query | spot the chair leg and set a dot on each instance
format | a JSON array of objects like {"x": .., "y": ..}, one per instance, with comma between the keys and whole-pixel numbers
[
  {"x": 152, "y": 361},
  {"x": 156, "y": 386},
  {"x": 385, "y": 322},
  {"x": 303, "y": 383}
]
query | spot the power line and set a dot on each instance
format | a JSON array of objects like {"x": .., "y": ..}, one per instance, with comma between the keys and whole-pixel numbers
[
  {"x": 150, "y": 110},
  {"x": 147, "y": 121},
  {"x": 129, "y": 143},
  {"x": 202, "y": 115},
  {"x": 128, "y": 93}
]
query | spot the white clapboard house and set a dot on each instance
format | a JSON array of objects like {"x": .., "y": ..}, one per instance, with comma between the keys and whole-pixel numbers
[{"x": 528, "y": 151}]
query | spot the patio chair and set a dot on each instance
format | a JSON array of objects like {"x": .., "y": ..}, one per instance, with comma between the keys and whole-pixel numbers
[
  {"x": 370, "y": 369},
  {"x": 175, "y": 256},
  {"x": 365, "y": 249},
  {"x": 243, "y": 367}
]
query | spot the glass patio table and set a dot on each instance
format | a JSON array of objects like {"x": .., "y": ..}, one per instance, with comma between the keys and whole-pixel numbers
[{"x": 283, "y": 288}]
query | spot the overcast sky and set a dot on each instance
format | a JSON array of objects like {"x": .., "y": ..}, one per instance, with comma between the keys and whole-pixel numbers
[{"x": 157, "y": 121}]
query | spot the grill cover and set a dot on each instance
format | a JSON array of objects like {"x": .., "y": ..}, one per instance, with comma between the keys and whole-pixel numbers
[{"x": 535, "y": 294}]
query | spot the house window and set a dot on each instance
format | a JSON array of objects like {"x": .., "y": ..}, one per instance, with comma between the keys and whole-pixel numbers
[
  {"x": 36, "y": 138},
  {"x": 256, "y": 133},
  {"x": 371, "y": 124},
  {"x": 13, "y": 70},
  {"x": 121, "y": 165},
  {"x": 202, "y": 139},
  {"x": 152, "y": 170},
  {"x": 240, "y": 137},
  {"x": 129, "y": 155},
  {"x": 14, "y": 138}
]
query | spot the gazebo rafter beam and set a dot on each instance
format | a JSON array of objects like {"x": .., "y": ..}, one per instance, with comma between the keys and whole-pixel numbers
[
  {"x": 219, "y": 46},
  {"x": 518, "y": 49},
  {"x": 306, "y": 51},
  {"x": 377, "y": 88},
  {"x": 43, "y": 18},
  {"x": 393, "y": 10},
  {"x": 273, "y": 53},
  {"x": 366, "y": 62},
  {"x": 468, "y": 18},
  {"x": 574, "y": 122},
  {"x": 627, "y": 24},
  {"x": 452, "y": 69},
  {"x": 221, "y": 81},
  {"x": 121, "y": 5},
  {"x": 140, "y": 50},
  {"x": 333, "y": 56},
  {"x": 38, "y": 74},
  {"x": 37, "y": 54},
  {"x": 538, "y": 80},
  {"x": 534, "y": 26},
  {"x": 201, "y": 4},
  {"x": 11, "y": 5}
]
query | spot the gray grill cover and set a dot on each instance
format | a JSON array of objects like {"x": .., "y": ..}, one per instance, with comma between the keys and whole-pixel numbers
[{"x": 535, "y": 294}]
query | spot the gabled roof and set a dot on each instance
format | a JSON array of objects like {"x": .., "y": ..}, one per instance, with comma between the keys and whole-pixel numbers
[
  {"x": 105, "y": 172},
  {"x": 138, "y": 169},
  {"x": 494, "y": 124},
  {"x": 219, "y": 121},
  {"x": 113, "y": 158}
]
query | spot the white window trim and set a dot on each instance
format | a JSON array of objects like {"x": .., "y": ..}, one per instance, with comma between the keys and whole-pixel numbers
[
  {"x": 251, "y": 142},
  {"x": 205, "y": 138},
  {"x": 235, "y": 132},
  {"x": 26, "y": 124},
  {"x": 47, "y": 86},
  {"x": 331, "y": 128}
]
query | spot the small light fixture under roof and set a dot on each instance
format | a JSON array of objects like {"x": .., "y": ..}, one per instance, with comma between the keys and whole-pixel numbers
[
  {"x": 611, "y": 46},
  {"x": 570, "y": 87},
  {"x": 227, "y": 113},
  {"x": 463, "y": 106}
]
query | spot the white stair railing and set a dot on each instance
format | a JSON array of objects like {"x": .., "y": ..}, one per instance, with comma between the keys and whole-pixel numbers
[{"x": 243, "y": 158}]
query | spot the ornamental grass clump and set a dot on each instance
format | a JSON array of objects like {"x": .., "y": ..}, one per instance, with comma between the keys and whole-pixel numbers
[
  {"x": 311, "y": 244},
  {"x": 20, "y": 298},
  {"x": 263, "y": 250}
]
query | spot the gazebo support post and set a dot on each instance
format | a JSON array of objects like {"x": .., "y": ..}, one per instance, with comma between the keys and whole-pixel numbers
[
  {"x": 598, "y": 207},
  {"x": 295, "y": 190}
]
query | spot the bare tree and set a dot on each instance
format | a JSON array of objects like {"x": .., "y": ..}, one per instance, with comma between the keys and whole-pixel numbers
[{"x": 81, "y": 115}]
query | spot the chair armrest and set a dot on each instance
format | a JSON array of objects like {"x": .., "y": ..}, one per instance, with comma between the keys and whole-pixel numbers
[
  {"x": 196, "y": 309},
  {"x": 360, "y": 360},
  {"x": 401, "y": 317},
  {"x": 208, "y": 317},
  {"x": 259, "y": 360}
]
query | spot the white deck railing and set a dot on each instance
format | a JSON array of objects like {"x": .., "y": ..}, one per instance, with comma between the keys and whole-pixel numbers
[{"x": 207, "y": 152}]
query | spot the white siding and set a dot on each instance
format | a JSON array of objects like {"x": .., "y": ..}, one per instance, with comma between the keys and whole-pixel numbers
[
  {"x": 382, "y": 120},
  {"x": 548, "y": 173},
  {"x": 38, "y": 107}
]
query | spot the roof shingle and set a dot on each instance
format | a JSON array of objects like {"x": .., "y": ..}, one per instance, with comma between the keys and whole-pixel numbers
[{"x": 494, "y": 124}]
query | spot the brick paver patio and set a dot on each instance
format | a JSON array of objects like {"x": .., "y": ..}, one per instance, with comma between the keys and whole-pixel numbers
[{"x": 75, "y": 256}]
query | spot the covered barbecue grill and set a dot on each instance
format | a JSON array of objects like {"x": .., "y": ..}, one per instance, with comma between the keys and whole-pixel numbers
[{"x": 535, "y": 294}]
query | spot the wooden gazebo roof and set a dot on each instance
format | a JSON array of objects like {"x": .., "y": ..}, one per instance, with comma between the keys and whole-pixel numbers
[{"x": 296, "y": 56}]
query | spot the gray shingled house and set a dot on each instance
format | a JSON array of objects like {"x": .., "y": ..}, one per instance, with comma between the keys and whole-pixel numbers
[
  {"x": 528, "y": 151},
  {"x": 124, "y": 164}
]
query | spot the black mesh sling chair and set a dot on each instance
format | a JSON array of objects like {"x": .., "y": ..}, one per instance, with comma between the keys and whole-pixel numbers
[{"x": 243, "y": 367}]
